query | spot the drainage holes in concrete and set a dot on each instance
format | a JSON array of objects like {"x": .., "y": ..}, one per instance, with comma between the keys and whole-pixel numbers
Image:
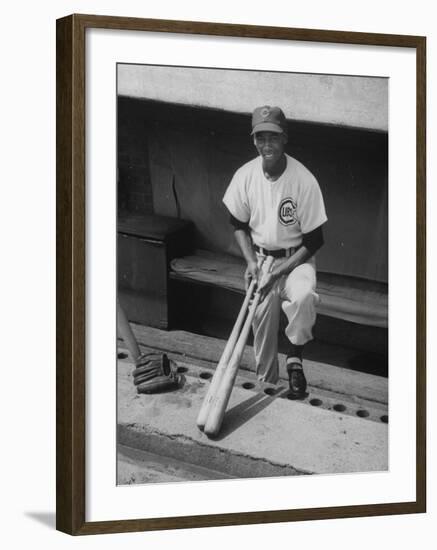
[
  {"x": 384, "y": 418},
  {"x": 363, "y": 413},
  {"x": 248, "y": 385},
  {"x": 270, "y": 391},
  {"x": 339, "y": 408},
  {"x": 122, "y": 355},
  {"x": 316, "y": 402},
  {"x": 205, "y": 375},
  {"x": 182, "y": 370}
]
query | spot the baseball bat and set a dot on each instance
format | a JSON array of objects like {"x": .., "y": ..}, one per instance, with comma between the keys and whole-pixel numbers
[
  {"x": 221, "y": 399},
  {"x": 126, "y": 333},
  {"x": 226, "y": 355}
]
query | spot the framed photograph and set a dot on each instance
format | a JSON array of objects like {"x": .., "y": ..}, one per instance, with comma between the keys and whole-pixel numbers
[{"x": 240, "y": 274}]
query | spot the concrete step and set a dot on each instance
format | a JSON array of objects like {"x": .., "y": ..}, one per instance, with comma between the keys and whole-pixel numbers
[
  {"x": 349, "y": 405},
  {"x": 261, "y": 434},
  {"x": 136, "y": 466},
  {"x": 323, "y": 376}
]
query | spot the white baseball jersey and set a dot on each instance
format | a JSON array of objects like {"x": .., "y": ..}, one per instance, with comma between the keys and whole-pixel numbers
[{"x": 278, "y": 212}]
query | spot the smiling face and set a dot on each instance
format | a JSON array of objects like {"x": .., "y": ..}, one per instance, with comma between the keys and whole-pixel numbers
[{"x": 270, "y": 146}]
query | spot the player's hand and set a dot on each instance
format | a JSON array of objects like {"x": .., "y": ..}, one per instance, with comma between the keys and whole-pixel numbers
[
  {"x": 266, "y": 285},
  {"x": 252, "y": 272}
]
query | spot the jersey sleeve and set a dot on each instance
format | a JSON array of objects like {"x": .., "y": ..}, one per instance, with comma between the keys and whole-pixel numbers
[
  {"x": 311, "y": 208},
  {"x": 236, "y": 200}
]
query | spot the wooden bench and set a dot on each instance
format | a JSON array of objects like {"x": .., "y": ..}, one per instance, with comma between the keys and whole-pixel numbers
[{"x": 347, "y": 298}]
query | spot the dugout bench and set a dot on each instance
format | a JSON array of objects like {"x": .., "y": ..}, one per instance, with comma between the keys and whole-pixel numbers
[{"x": 164, "y": 282}]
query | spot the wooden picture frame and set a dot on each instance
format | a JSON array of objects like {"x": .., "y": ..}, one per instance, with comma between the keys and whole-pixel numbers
[{"x": 71, "y": 253}]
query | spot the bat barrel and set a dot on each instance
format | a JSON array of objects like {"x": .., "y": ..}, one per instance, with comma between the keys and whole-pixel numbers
[
  {"x": 223, "y": 393},
  {"x": 224, "y": 359},
  {"x": 226, "y": 355}
]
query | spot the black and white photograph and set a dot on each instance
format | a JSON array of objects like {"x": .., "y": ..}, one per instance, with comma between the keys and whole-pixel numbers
[
  {"x": 252, "y": 274},
  {"x": 218, "y": 223}
]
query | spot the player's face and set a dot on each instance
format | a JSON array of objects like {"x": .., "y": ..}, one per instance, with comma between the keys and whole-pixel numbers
[{"x": 270, "y": 145}]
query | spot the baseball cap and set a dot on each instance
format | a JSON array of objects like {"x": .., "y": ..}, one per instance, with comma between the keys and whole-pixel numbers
[{"x": 268, "y": 119}]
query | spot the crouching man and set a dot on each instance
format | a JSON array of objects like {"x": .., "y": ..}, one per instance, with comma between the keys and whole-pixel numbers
[{"x": 277, "y": 209}]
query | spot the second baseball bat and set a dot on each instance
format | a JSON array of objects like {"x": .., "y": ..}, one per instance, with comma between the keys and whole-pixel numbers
[
  {"x": 221, "y": 399},
  {"x": 224, "y": 359},
  {"x": 126, "y": 333}
]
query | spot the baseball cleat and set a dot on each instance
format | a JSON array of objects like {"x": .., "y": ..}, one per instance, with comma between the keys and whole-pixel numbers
[{"x": 296, "y": 380}]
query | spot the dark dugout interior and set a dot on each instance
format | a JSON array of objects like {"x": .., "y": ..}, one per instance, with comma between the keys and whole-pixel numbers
[{"x": 177, "y": 161}]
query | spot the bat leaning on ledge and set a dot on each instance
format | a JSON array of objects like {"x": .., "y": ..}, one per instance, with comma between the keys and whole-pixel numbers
[{"x": 214, "y": 405}]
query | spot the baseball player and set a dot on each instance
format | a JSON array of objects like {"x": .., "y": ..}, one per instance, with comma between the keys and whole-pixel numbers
[{"x": 276, "y": 209}]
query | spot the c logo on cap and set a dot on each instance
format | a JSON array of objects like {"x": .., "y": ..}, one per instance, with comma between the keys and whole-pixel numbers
[
  {"x": 265, "y": 112},
  {"x": 287, "y": 211}
]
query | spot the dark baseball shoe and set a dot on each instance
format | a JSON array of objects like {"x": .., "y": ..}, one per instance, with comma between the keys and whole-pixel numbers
[{"x": 296, "y": 379}]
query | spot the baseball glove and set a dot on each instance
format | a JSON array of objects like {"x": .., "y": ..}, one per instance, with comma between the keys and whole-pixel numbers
[{"x": 154, "y": 373}]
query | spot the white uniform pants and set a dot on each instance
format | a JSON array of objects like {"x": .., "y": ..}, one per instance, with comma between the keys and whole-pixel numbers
[{"x": 296, "y": 293}]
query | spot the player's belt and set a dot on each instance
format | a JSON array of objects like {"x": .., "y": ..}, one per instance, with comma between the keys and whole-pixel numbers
[{"x": 279, "y": 253}]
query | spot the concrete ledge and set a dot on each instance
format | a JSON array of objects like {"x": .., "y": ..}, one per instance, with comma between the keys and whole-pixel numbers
[
  {"x": 261, "y": 435},
  {"x": 196, "y": 348}
]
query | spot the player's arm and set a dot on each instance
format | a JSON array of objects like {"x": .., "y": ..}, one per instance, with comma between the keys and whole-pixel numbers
[
  {"x": 242, "y": 236},
  {"x": 311, "y": 243}
]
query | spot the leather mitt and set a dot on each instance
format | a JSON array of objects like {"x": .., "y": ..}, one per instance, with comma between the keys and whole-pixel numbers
[{"x": 154, "y": 373}]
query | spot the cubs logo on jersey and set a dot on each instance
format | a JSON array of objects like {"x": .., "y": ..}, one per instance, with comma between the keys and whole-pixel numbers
[{"x": 287, "y": 211}]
